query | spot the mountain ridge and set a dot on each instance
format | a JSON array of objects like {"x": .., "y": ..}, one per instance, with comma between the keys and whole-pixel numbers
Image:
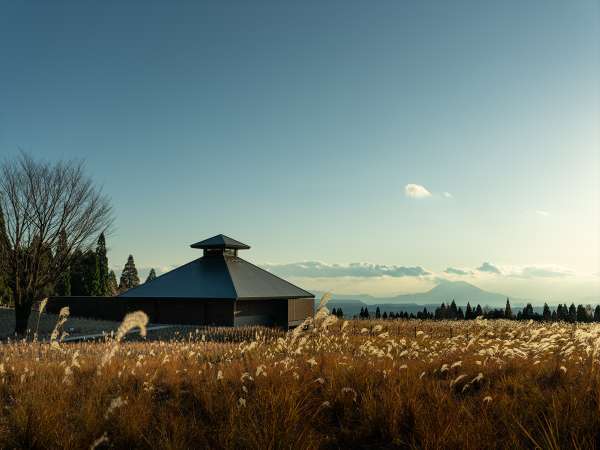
[{"x": 446, "y": 291}]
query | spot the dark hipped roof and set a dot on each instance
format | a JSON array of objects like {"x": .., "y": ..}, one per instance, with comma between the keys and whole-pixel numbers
[
  {"x": 218, "y": 277},
  {"x": 220, "y": 241}
]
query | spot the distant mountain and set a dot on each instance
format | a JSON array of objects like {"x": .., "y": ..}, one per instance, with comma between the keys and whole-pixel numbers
[
  {"x": 461, "y": 292},
  {"x": 446, "y": 291}
]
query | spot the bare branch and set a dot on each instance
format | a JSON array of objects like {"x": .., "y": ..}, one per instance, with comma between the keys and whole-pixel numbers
[{"x": 39, "y": 201}]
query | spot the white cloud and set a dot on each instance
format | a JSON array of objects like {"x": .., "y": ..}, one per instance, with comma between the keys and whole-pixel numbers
[
  {"x": 456, "y": 271},
  {"x": 529, "y": 272},
  {"x": 532, "y": 271},
  {"x": 447, "y": 195},
  {"x": 489, "y": 268},
  {"x": 416, "y": 191},
  {"x": 542, "y": 272},
  {"x": 316, "y": 269},
  {"x": 541, "y": 212}
]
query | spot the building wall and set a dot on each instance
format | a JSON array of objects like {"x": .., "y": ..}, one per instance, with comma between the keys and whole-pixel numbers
[
  {"x": 182, "y": 311},
  {"x": 185, "y": 311},
  {"x": 261, "y": 312},
  {"x": 299, "y": 309}
]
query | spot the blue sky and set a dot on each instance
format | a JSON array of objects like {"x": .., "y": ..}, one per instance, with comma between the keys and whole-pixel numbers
[{"x": 296, "y": 127}]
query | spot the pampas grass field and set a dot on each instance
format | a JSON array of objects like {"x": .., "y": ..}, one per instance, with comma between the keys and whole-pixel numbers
[{"x": 331, "y": 384}]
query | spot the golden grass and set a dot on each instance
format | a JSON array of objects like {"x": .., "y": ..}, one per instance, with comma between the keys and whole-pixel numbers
[
  {"x": 395, "y": 384},
  {"x": 45, "y": 324}
]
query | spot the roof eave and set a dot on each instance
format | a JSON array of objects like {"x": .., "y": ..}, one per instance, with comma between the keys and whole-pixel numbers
[{"x": 283, "y": 297}]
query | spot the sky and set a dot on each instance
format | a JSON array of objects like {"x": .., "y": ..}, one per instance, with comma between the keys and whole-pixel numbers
[{"x": 359, "y": 147}]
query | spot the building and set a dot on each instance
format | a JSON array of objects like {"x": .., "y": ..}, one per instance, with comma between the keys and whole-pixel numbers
[{"x": 218, "y": 288}]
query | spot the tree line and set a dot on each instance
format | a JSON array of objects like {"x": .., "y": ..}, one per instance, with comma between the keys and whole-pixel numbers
[
  {"x": 86, "y": 274},
  {"x": 89, "y": 275},
  {"x": 562, "y": 313},
  {"x": 53, "y": 223}
]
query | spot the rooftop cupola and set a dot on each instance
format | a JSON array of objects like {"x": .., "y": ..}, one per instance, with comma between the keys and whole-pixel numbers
[{"x": 220, "y": 245}]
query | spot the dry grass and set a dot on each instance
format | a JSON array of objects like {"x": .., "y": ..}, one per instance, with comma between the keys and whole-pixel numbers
[
  {"x": 47, "y": 323},
  {"x": 404, "y": 384},
  {"x": 76, "y": 326}
]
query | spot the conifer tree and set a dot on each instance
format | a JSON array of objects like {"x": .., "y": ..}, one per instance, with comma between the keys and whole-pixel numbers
[
  {"x": 129, "y": 276},
  {"x": 597, "y": 313},
  {"x": 102, "y": 261},
  {"x": 581, "y": 314},
  {"x": 452, "y": 311},
  {"x": 91, "y": 273},
  {"x": 527, "y": 312},
  {"x": 385, "y": 316},
  {"x": 377, "y": 313},
  {"x": 478, "y": 311},
  {"x": 84, "y": 274},
  {"x": 572, "y": 313},
  {"x": 443, "y": 312},
  {"x": 468, "y": 312},
  {"x": 508, "y": 310},
  {"x": 560, "y": 313},
  {"x": 152, "y": 276},
  {"x": 76, "y": 273},
  {"x": 4, "y": 244},
  {"x": 546, "y": 314},
  {"x": 5, "y": 290},
  {"x": 112, "y": 286},
  {"x": 63, "y": 284},
  {"x": 333, "y": 311}
]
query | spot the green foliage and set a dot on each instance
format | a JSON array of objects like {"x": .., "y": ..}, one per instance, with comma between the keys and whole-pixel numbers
[
  {"x": 63, "y": 283},
  {"x": 102, "y": 261},
  {"x": 469, "y": 312},
  {"x": 4, "y": 243},
  {"x": 129, "y": 276},
  {"x": 572, "y": 313},
  {"x": 478, "y": 311},
  {"x": 581, "y": 314},
  {"x": 151, "y": 275},
  {"x": 6, "y": 298},
  {"x": 84, "y": 274},
  {"x": 112, "y": 286},
  {"x": 547, "y": 314},
  {"x": 5, "y": 290},
  {"x": 508, "y": 310},
  {"x": 88, "y": 273}
]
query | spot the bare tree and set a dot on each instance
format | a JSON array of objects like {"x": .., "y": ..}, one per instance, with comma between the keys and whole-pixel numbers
[{"x": 41, "y": 200}]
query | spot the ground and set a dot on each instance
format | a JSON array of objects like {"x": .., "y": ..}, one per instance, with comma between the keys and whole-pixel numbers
[
  {"x": 337, "y": 384},
  {"x": 48, "y": 321},
  {"x": 43, "y": 324}
]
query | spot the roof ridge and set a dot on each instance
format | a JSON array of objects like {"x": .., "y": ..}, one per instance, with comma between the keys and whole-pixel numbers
[
  {"x": 145, "y": 283},
  {"x": 227, "y": 258},
  {"x": 262, "y": 270}
]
